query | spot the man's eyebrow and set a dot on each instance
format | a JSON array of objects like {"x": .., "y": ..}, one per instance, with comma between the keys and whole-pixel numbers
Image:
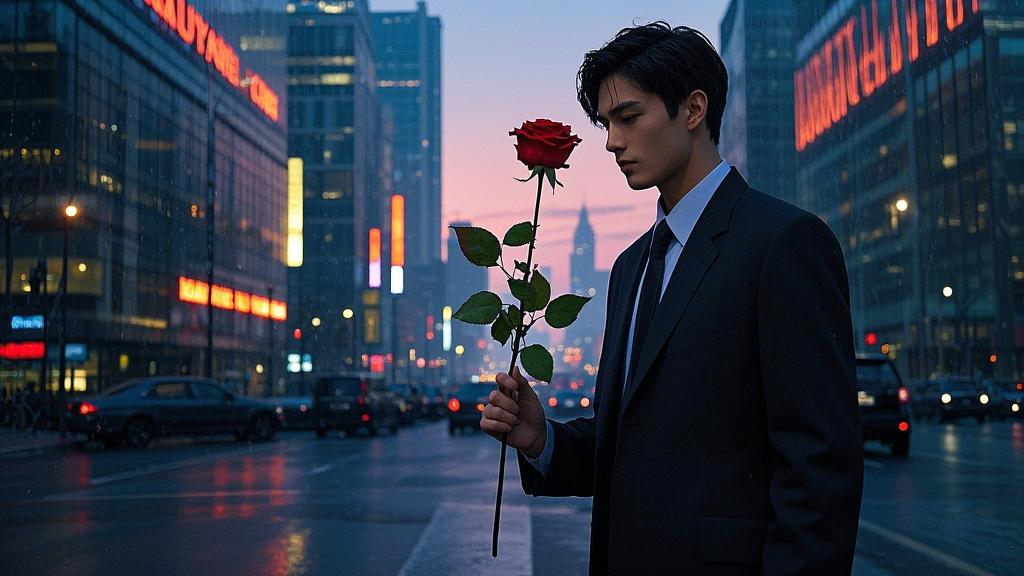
[{"x": 618, "y": 109}]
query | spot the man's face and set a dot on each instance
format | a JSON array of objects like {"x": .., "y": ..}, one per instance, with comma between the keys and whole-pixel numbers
[{"x": 649, "y": 147}]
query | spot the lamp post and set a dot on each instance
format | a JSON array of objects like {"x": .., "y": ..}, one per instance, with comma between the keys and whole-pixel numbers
[
  {"x": 270, "y": 343},
  {"x": 70, "y": 212},
  {"x": 348, "y": 314}
]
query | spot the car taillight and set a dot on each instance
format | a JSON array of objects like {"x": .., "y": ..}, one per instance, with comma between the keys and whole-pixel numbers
[
  {"x": 480, "y": 407},
  {"x": 87, "y": 408},
  {"x": 454, "y": 405},
  {"x": 366, "y": 417},
  {"x": 904, "y": 426},
  {"x": 904, "y": 395},
  {"x": 585, "y": 402},
  {"x": 552, "y": 402}
]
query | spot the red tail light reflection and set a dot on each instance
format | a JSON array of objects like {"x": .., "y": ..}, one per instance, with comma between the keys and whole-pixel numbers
[
  {"x": 454, "y": 405},
  {"x": 87, "y": 408}
]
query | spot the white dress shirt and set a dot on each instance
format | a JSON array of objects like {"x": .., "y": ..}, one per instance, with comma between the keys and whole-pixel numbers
[{"x": 681, "y": 220}]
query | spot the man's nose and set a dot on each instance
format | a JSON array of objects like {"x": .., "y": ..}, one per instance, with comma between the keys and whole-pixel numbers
[{"x": 613, "y": 142}]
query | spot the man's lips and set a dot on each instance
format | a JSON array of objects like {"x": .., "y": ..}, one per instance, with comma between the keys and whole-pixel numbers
[{"x": 626, "y": 165}]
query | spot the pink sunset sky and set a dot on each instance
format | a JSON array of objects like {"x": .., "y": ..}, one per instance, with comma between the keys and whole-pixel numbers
[{"x": 504, "y": 62}]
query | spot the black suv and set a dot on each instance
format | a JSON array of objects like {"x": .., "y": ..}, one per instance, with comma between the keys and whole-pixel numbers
[
  {"x": 466, "y": 403},
  {"x": 352, "y": 401},
  {"x": 884, "y": 403}
]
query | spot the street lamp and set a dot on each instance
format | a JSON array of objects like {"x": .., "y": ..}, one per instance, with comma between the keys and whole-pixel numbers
[
  {"x": 70, "y": 213},
  {"x": 348, "y": 314}
]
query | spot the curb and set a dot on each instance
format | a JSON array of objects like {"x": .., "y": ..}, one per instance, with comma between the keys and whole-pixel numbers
[{"x": 28, "y": 451}]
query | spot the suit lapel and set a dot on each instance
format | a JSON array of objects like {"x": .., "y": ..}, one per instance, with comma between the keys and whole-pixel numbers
[
  {"x": 622, "y": 316},
  {"x": 698, "y": 255}
]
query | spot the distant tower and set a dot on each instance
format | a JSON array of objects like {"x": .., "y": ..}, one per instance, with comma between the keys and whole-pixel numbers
[
  {"x": 581, "y": 262},
  {"x": 585, "y": 280}
]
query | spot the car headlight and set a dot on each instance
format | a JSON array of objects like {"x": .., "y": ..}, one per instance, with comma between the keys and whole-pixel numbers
[
  {"x": 983, "y": 398},
  {"x": 1015, "y": 407},
  {"x": 279, "y": 410},
  {"x": 946, "y": 398}
]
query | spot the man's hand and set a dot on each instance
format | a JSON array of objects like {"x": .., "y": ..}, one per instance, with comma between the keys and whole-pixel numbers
[{"x": 516, "y": 410}]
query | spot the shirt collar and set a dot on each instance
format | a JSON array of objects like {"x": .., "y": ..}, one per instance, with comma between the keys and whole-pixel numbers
[{"x": 684, "y": 215}]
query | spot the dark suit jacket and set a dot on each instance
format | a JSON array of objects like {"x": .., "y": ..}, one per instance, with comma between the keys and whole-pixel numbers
[{"x": 738, "y": 450}]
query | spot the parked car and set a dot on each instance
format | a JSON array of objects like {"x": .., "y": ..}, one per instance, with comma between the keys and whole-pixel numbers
[
  {"x": 884, "y": 403},
  {"x": 435, "y": 401},
  {"x": 296, "y": 412},
  {"x": 138, "y": 410},
  {"x": 951, "y": 397},
  {"x": 465, "y": 404},
  {"x": 350, "y": 402},
  {"x": 407, "y": 402},
  {"x": 1003, "y": 394}
]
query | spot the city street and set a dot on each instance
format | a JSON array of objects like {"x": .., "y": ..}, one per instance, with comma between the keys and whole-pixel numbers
[{"x": 420, "y": 502}]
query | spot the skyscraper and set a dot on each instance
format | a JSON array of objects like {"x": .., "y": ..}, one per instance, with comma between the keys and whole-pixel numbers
[
  {"x": 757, "y": 129},
  {"x": 585, "y": 280},
  {"x": 407, "y": 49},
  {"x": 335, "y": 127},
  {"x": 908, "y": 131}
]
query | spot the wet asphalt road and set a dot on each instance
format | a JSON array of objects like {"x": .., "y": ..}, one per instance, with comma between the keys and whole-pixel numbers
[{"x": 421, "y": 503}]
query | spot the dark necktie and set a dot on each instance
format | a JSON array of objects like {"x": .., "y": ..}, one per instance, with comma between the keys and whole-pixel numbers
[{"x": 650, "y": 294}]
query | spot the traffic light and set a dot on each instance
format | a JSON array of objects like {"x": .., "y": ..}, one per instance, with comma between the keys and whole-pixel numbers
[{"x": 297, "y": 334}]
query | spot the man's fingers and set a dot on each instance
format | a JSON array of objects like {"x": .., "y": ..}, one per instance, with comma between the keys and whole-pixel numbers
[
  {"x": 524, "y": 386},
  {"x": 506, "y": 383},
  {"x": 503, "y": 401},
  {"x": 492, "y": 412},
  {"x": 494, "y": 427}
]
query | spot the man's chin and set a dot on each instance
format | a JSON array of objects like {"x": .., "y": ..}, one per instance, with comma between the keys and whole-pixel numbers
[{"x": 638, "y": 184}]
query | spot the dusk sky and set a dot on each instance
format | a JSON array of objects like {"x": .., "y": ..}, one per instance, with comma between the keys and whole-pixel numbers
[{"x": 509, "y": 61}]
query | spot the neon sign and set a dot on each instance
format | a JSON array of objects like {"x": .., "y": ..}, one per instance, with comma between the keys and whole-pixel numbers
[
  {"x": 27, "y": 322},
  {"x": 841, "y": 74},
  {"x": 375, "y": 241},
  {"x": 197, "y": 292},
  {"x": 195, "y": 31},
  {"x": 397, "y": 244},
  {"x": 22, "y": 350}
]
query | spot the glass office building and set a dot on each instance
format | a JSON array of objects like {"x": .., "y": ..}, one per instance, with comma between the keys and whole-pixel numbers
[
  {"x": 115, "y": 107},
  {"x": 908, "y": 118}
]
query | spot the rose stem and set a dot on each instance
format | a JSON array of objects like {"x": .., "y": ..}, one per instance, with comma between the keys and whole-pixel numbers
[{"x": 515, "y": 356}]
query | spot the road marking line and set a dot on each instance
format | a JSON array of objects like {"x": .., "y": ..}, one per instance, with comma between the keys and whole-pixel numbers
[
  {"x": 457, "y": 541},
  {"x": 81, "y": 496},
  {"x": 177, "y": 465},
  {"x": 321, "y": 469},
  {"x": 949, "y": 458},
  {"x": 872, "y": 464},
  {"x": 925, "y": 550}
]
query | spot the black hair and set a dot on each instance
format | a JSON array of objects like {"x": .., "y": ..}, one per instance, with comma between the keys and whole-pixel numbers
[{"x": 669, "y": 62}]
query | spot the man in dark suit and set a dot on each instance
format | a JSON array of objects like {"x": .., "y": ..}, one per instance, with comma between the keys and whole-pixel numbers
[{"x": 726, "y": 437}]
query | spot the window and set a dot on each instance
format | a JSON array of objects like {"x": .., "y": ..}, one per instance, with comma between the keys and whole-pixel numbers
[
  {"x": 204, "y": 391},
  {"x": 169, "y": 391}
]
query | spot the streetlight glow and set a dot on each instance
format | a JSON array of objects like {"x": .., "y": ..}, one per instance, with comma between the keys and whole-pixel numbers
[
  {"x": 71, "y": 210},
  {"x": 347, "y": 313},
  {"x": 902, "y": 205},
  {"x": 947, "y": 292},
  {"x": 316, "y": 322}
]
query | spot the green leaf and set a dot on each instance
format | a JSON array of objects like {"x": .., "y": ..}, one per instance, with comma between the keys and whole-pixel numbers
[
  {"x": 541, "y": 292},
  {"x": 564, "y": 310},
  {"x": 501, "y": 330},
  {"x": 550, "y": 173},
  {"x": 514, "y": 317},
  {"x": 478, "y": 245},
  {"x": 481, "y": 308},
  {"x": 519, "y": 235},
  {"x": 521, "y": 266},
  {"x": 521, "y": 290},
  {"x": 538, "y": 362}
]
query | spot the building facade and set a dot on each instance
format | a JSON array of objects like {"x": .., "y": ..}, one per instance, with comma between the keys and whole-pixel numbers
[
  {"x": 151, "y": 119},
  {"x": 407, "y": 48},
  {"x": 757, "y": 128},
  {"x": 907, "y": 135},
  {"x": 336, "y": 128},
  {"x": 463, "y": 279}
]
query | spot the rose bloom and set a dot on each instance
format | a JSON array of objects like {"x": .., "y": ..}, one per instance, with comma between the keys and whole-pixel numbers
[{"x": 544, "y": 143}]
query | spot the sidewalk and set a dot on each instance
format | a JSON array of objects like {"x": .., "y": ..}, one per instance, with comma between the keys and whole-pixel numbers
[{"x": 20, "y": 443}]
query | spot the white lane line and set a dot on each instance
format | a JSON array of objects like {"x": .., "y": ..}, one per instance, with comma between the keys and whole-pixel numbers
[
  {"x": 872, "y": 464},
  {"x": 81, "y": 496},
  {"x": 321, "y": 469},
  {"x": 457, "y": 542},
  {"x": 958, "y": 460},
  {"x": 925, "y": 550},
  {"x": 148, "y": 470}
]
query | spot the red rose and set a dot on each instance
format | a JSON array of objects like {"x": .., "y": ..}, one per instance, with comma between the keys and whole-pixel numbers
[{"x": 544, "y": 143}]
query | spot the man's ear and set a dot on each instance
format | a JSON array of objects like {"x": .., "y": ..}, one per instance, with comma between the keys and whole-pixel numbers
[{"x": 696, "y": 108}]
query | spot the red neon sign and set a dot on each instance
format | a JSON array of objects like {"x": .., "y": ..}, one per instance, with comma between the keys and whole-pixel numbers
[
  {"x": 193, "y": 30},
  {"x": 197, "y": 292},
  {"x": 861, "y": 57},
  {"x": 22, "y": 350}
]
